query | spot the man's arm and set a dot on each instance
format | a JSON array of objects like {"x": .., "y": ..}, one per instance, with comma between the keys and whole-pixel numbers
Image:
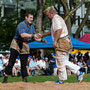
[
  {"x": 57, "y": 36},
  {"x": 46, "y": 34},
  {"x": 26, "y": 35},
  {"x": 39, "y": 35}
]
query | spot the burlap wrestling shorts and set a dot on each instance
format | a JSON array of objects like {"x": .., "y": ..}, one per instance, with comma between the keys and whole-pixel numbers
[{"x": 21, "y": 47}]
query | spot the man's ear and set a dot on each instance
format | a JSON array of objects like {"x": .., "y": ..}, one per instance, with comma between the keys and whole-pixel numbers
[{"x": 25, "y": 17}]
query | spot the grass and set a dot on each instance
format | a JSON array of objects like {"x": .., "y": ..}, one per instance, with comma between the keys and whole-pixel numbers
[{"x": 71, "y": 79}]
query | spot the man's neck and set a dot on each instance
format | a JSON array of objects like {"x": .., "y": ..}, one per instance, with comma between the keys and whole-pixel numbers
[{"x": 53, "y": 16}]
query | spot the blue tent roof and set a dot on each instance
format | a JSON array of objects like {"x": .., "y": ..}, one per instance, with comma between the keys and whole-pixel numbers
[{"x": 76, "y": 43}]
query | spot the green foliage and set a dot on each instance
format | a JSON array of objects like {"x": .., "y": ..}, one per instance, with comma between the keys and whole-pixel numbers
[
  {"x": 49, "y": 51},
  {"x": 50, "y": 3},
  {"x": 46, "y": 23},
  {"x": 7, "y": 30},
  {"x": 77, "y": 2},
  {"x": 87, "y": 5}
]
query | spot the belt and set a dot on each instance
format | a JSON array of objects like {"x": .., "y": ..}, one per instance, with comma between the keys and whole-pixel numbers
[
  {"x": 21, "y": 41},
  {"x": 18, "y": 40},
  {"x": 64, "y": 37}
]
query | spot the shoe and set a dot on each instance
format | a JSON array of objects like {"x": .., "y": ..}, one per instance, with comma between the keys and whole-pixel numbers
[
  {"x": 5, "y": 80},
  {"x": 58, "y": 82},
  {"x": 80, "y": 77},
  {"x": 24, "y": 79}
]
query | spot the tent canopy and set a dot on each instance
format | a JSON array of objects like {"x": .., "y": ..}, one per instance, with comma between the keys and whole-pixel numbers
[
  {"x": 85, "y": 38},
  {"x": 76, "y": 43}
]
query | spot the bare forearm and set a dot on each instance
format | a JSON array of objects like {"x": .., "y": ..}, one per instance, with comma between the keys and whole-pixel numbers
[
  {"x": 46, "y": 34},
  {"x": 26, "y": 35}
]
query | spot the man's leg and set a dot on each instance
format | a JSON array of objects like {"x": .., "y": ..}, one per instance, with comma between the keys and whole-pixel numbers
[
  {"x": 8, "y": 69},
  {"x": 60, "y": 62},
  {"x": 72, "y": 67},
  {"x": 75, "y": 69},
  {"x": 24, "y": 58}
]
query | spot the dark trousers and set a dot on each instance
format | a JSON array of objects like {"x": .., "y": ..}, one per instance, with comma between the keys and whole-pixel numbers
[{"x": 12, "y": 60}]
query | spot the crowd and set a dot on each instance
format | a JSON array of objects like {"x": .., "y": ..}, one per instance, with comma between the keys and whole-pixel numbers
[
  {"x": 83, "y": 60},
  {"x": 37, "y": 65}
]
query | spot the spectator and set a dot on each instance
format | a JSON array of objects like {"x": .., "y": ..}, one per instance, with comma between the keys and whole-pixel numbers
[
  {"x": 47, "y": 67},
  {"x": 75, "y": 58},
  {"x": 78, "y": 56},
  {"x": 54, "y": 64},
  {"x": 16, "y": 68},
  {"x": 47, "y": 63},
  {"x": 42, "y": 65},
  {"x": 82, "y": 64},
  {"x": 5, "y": 61},
  {"x": 86, "y": 57},
  {"x": 70, "y": 57},
  {"x": 88, "y": 65},
  {"x": 1, "y": 64},
  {"x": 31, "y": 67}
]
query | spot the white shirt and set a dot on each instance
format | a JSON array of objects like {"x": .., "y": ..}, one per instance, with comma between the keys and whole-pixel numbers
[
  {"x": 5, "y": 61},
  {"x": 17, "y": 64},
  {"x": 58, "y": 23},
  {"x": 41, "y": 63}
]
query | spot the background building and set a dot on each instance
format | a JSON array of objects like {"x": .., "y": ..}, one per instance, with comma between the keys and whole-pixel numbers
[{"x": 8, "y": 6}]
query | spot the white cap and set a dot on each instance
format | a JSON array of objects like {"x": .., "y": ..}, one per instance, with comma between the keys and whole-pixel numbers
[{"x": 1, "y": 55}]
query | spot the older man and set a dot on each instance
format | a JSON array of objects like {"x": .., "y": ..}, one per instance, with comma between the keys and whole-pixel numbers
[{"x": 62, "y": 45}]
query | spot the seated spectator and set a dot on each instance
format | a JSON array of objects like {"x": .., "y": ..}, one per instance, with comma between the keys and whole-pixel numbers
[
  {"x": 88, "y": 65},
  {"x": 54, "y": 64},
  {"x": 32, "y": 66},
  {"x": 16, "y": 68},
  {"x": 42, "y": 65},
  {"x": 79, "y": 56},
  {"x": 82, "y": 64},
  {"x": 86, "y": 57},
  {"x": 49, "y": 68},
  {"x": 28, "y": 61},
  {"x": 5, "y": 60},
  {"x": 47, "y": 62},
  {"x": 1, "y": 65},
  {"x": 75, "y": 59}
]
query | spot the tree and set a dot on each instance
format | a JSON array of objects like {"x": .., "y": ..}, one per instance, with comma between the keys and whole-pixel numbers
[
  {"x": 66, "y": 11},
  {"x": 70, "y": 12},
  {"x": 7, "y": 31},
  {"x": 40, "y": 6},
  {"x": 82, "y": 23}
]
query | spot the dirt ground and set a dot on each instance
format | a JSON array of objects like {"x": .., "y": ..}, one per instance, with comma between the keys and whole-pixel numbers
[{"x": 45, "y": 86}]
